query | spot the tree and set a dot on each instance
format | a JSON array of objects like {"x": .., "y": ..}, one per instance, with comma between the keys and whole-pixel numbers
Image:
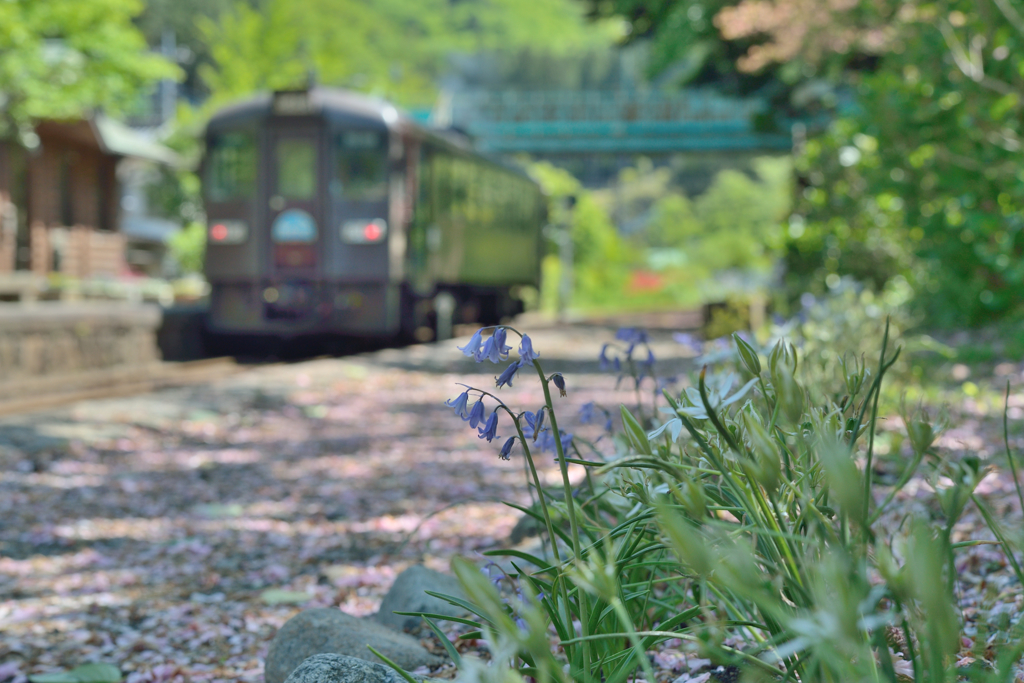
[
  {"x": 389, "y": 47},
  {"x": 180, "y": 18},
  {"x": 63, "y": 59},
  {"x": 920, "y": 179},
  {"x": 917, "y": 175}
]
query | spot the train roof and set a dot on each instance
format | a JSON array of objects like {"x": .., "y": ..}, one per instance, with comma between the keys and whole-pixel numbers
[
  {"x": 316, "y": 101},
  {"x": 342, "y": 106}
]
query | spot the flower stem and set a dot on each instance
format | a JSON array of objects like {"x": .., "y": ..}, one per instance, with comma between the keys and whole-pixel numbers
[
  {"x": 540, "y": 493},
  {"x": 570, "y": 507}
]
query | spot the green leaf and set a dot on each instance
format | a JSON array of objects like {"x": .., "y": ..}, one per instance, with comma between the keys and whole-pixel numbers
[
  {"x": 398, "y": 670},
  {"x": 452, "y": 652},
  {"x": 439, "y": 617},
  {"x": 219, "y": 511},
  {"x": 57, "y": 677},
  {"x": 96, "y": 672},
  {"x": 532, "y": 559},
  {"x": 277, "y": 596},
  {"x": 634, "y": 432}
]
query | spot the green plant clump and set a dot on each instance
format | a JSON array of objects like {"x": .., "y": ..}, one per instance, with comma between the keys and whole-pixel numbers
[{"x": 743, "y": 523}]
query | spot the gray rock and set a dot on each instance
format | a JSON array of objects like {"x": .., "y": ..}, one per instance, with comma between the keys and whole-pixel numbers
[
  {"x": 407, "y": 595},
  {"x": 526, "y": 527},
  {"x": 331, "y": 631},
  {"x": 330, "y": 668}
]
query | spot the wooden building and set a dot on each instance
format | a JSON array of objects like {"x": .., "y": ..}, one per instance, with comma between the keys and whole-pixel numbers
[{"x": 60, "y": 199}]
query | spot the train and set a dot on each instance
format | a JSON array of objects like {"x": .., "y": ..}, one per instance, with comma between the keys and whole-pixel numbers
[{"x": 331, "y": 212}]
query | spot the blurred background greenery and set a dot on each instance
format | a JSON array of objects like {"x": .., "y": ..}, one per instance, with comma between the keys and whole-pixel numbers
[{"x": 906, "y": 119}]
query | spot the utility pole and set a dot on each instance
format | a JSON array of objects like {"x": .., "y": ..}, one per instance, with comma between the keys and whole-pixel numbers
[{"x": 168, "y": 88}]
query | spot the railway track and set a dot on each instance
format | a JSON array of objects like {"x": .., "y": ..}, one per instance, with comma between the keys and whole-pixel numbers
[{"x": 40, "y": 393}]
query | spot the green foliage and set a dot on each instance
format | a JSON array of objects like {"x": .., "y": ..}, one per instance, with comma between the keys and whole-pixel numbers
[
  {"x": 188, "y": 247},
  {"x": 392, "y": 48},
  {"x": 926, "y": 167},
  {"x": 746, "y": 526},
  {"x": 741, "y": 217},
  {"x": 684, "y": 246},
  {"x": 921, "y": 178},
  {"x": 253, "y": 48},
  {"x": 919, "y": 175},
  {"x": 63, "y": 59},
  {"x": 179, "y": 17},
  {"x": 733, "y": 227},
  {"x": 685, "y": 45},
  {"x": 601, "y": 259},
  {"x": 673, "y": 223},
  {"x": 86, "y": 673}
]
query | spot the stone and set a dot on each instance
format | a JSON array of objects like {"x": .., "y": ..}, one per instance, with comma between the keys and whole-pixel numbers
[
  {"x": 526, "y": 527},
  {"x": 330, "y": 631},
  {"x": 408, "y": 594},
  {"x": 331, "y": 668}
]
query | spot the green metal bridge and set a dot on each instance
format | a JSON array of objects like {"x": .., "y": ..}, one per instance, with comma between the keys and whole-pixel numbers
[{"x": 613, "y": 122}]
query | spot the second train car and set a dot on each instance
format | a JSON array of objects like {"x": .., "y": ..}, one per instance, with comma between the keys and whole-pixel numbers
[{"x": 331, "y": 212}]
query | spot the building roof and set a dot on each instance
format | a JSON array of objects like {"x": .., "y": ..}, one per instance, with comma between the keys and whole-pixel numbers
[{"x": 118, "y": 139}]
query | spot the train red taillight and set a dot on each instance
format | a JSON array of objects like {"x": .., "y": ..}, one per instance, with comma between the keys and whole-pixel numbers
[
  {"x": 372, "y": 232},
  {"x": 364, "y": 231},
  {"x": 228, "y": 232}
]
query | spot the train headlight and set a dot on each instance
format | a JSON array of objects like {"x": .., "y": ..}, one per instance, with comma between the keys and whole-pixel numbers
[
  {"x": 228, "y": 232},
  {"x": 364, "y": 231}
]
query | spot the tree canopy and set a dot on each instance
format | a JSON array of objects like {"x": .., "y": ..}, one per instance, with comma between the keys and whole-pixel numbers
[
  {"x": 917, "y": 174},
  {"x": 393, "y": 48},
  {"x": 62, "y": 59}
]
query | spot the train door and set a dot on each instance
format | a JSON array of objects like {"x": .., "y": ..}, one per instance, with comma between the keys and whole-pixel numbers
[{"x": 296, "y": 220}]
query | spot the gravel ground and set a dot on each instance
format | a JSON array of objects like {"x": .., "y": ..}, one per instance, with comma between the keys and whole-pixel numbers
[{"x": 145, "y": 531}]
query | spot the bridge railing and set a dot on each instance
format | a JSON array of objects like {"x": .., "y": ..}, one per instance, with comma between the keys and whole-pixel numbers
[{"x": 612, "y": 120}]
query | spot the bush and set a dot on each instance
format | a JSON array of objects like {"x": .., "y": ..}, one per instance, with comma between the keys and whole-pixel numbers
[
  {"x": 742, "y": 521},
  {"x": 685, "y": 252},
  {"x": 188, "y": 247}
]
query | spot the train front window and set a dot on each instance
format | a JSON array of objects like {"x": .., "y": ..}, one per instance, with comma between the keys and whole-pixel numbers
[
  {"x": 231, "y": 167},
  {"x": 361, "y": 166},
  {"x": 296, "y": 168}
]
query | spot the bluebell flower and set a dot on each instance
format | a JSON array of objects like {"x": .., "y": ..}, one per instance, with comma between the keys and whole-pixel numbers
[
  {"x": 494, "y": 348},
  {"x": 494, "y": 573},
  {"x": 534, "y": 424},
  {"x": 490, "y": 429},
  {"x": 560, "y": 383},
  {"x": 476, "y": 414},
  {"x": 689, "y": 341},
  {"x": 472, "y": 347},
  {"x": 507, "y": 376},
  {"x": 547, "y": 441},
  {"x": 603, "y": 358},
  {"x": 488, "y": 352},
  {"x": 608, "y": 424},
  {"x": 632, "y": 335},
  {"x": 650, "y": 359},
  {"x": 617, "y": 364},
  {"x": 588, "y": 413},
  {"x": 506, "y": 448},
  {"x": 526, "y": 352},
  {"x": 460, "y": 405},
  {"x": 499, "y": 340}
]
